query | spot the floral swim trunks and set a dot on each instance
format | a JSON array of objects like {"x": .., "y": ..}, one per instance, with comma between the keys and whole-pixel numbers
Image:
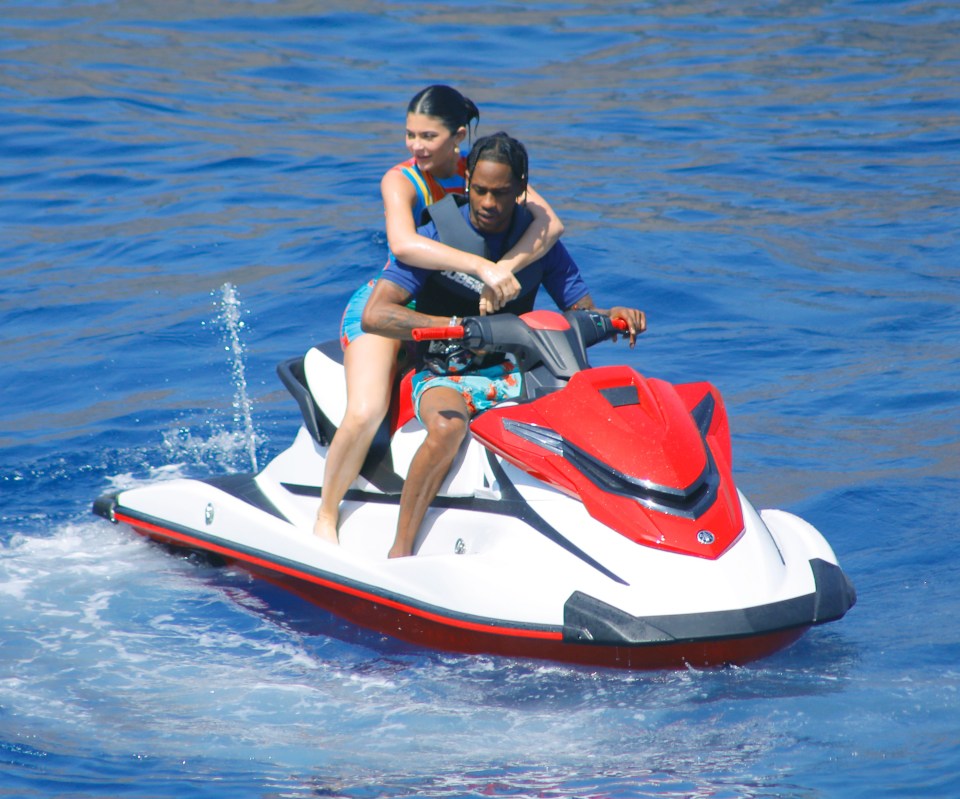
[{"x": 480, "y": 388}]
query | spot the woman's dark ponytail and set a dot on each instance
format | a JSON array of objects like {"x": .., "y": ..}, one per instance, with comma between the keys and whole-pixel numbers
[{"x": 446, "y": 104}]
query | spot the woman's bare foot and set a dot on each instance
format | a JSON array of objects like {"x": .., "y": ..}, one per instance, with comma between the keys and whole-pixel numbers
[
  {"x": 398, "y": 551},
  {"x": 325, "y": 528}
]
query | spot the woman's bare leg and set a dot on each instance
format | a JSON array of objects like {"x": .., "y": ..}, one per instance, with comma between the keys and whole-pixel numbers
[{"x": 370, "y": 362}]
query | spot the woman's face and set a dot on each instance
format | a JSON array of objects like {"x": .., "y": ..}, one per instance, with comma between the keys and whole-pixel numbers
[{"x": 433, "y": 146}]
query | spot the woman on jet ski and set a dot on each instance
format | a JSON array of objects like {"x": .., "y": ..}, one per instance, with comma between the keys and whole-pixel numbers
[{"x": 438, "y": 120}]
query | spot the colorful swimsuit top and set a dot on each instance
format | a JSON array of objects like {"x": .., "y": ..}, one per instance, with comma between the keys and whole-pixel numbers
[{"x": 430, "y": 188}]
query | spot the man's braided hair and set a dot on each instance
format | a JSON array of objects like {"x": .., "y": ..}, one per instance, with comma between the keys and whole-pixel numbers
[{"x": 503, "y": 149}]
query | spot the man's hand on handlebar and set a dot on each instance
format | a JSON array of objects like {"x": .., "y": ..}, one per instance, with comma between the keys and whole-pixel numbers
[{"x": 636, "y": 321}]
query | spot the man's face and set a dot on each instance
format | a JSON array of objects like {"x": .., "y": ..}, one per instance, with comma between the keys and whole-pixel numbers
[{"x": 493, "y": 196}]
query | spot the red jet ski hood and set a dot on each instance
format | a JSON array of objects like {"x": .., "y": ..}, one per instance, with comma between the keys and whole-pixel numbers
[{"x": 647, "y": 458}]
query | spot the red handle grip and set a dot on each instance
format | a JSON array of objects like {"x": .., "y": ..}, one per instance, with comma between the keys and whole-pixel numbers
[
  {"x": 431, "y": 333},
  {"x": 620, "y": 324}
]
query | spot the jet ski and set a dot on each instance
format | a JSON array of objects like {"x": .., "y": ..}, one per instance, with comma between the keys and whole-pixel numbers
[{"x": 594, "y": 520}]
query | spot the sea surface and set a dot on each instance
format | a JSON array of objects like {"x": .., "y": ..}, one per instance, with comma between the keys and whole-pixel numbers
[{"x": 188, "y": 195}]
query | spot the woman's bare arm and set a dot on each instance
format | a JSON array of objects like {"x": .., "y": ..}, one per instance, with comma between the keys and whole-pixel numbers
[
  {"x": 545, "y": 230},
  {"x": 416, "y": 250}
]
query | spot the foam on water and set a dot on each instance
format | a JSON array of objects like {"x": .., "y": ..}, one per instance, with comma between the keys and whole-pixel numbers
[
  {"x": 199, "y": 664},
  {"x": 198, "y": 668},
  {"x": 220, "y": 450}
]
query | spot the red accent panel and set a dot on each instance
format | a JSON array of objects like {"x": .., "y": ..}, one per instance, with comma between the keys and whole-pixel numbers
[
  {"x": 402, "y": 408},
  {"x": 654, "y": 441},
  {"x": 545, "y": 320},
  {"x": 718, "y": 435}
]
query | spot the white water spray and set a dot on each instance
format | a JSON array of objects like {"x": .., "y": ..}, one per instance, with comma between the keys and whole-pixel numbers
[{"x": 242, "y": 406}]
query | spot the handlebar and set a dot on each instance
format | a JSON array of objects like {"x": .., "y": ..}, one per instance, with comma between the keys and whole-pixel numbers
[
  {"x": 455, "y": 332},
  {"x": 509, "y": 333},
  {"x": 557, "y": 341},
  {"x": 435, "y": 333}
]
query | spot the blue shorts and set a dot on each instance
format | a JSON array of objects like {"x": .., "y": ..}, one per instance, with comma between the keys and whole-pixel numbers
[
  {"x": 480, "y": 388},
  {"x": 350, "y": 328},
  {"x": 350, "y": 321}
]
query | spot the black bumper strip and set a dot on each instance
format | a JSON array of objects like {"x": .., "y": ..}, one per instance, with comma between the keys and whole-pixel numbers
[{"x": 588, "y": 620}]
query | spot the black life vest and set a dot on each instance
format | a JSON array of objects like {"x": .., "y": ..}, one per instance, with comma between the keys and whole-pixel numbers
[{"x": 451, "y": 293}]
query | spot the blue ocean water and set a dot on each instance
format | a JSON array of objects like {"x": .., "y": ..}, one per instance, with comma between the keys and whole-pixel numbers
[{"x": 775, "y": 183}]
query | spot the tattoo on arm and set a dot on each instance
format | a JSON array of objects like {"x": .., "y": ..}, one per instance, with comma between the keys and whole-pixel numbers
[{"x": 387, "y": 314}]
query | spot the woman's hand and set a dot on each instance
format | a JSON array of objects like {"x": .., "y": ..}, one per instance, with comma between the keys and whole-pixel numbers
[
  {"x": 500, "y": 286},
  {"x": 486, "y": 301}
]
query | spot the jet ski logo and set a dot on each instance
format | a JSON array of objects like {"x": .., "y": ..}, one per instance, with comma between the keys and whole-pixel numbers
[{"x": 706, "y": 537}]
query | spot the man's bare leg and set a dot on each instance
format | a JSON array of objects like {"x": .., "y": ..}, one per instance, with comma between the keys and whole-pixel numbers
[{"x": 445, "y": 416}]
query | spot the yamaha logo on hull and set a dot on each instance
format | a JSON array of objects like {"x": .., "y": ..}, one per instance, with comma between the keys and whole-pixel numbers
[{"x": 706, "y": 537}]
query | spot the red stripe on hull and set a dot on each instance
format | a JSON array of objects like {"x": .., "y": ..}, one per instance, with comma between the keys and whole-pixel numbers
[
  {"x": 454, "y": 637},
  {"x": 434, "y": 631}
]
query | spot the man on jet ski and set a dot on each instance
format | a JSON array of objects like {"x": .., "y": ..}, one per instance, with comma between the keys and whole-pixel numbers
[{"x": 453, "y": 383}]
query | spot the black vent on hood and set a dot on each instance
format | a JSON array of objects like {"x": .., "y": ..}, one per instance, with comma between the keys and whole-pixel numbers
[
  {"x": 619, "y": 396},
  {"x": 690, "y": 502}
]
